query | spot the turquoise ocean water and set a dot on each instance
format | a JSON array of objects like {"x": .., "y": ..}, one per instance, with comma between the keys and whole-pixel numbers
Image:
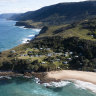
[
  {"x": 11, "y": 36},
  {"x": 28, "y": 87}
]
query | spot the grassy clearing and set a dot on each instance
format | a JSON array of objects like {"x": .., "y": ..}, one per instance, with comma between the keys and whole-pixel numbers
[{"x": 78, "y": 31}]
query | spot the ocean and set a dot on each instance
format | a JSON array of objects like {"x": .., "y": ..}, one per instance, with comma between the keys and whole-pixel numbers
[
  {"x": 20, "y": 86},
  {"x": 11, "y": 36}
]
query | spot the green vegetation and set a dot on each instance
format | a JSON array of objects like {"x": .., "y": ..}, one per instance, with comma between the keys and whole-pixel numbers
[
  {"x": 77, "y": 29},
  {"x": 29, "y": 24},
  {"x": 67, "y": 40},
  {"x": 62, "y": 13},
  {"x": 67, "y": 46}
]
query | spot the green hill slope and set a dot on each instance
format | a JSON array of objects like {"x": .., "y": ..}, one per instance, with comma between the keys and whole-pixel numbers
[
  {"x": 61, "y": 13},
  {"x": 70, "y": 46},
  {"x": 84, "y": 30}
]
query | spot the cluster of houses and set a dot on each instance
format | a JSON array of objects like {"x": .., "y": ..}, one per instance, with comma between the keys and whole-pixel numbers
[{"x": 68, "y": 55}]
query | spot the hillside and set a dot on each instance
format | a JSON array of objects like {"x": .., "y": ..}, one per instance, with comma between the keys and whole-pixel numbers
[
  {"x": 61, "y": 13},
  {"x": 70, "y": 46},
  {"x": 84, "y": 30},
  {"x": 67, "y": 40}
]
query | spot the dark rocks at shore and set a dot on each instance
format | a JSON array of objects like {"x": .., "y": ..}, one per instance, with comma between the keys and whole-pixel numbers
[
  {"x": 10, "y": 74},
  {"x": 39, "y": 75},
  {"x": 22, "y": 23},
  {"x": 43, "y": 78}
]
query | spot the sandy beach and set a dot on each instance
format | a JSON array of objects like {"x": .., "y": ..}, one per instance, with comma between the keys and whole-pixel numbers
[{"x": 75, "y": 75}]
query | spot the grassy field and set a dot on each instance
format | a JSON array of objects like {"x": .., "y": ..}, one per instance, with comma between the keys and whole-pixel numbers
[{"x": 78, "y": 31}]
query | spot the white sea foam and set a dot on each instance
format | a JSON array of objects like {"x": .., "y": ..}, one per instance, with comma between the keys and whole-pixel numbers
[
  {"x": 25, "y": 40},
  {"x": 28, "y": 77},
  {"x": 28, "y": 38},
  {"x": 57, "y": 84},
  {"x": 6, "y": 77},
  {"x": 78, "y": 84},
  {"x": 23, "y": 27},
  {"x": 36, "y": 30},
  {"x": 85, "y": 85},
  {"x": 37, "y": 80},
  {"x": 31, "y": 35}
]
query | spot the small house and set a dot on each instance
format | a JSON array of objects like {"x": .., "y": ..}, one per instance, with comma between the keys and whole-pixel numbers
[
  {"x": 69, "y": 58},
  {"x": 76, "y": 56},
  {"x": 41, "y": 48},
  {"x": 70, "y": 53},
  {"x": 49, "y": 54},
  {"x": 65, "y": 55},
  {"x": 43, "y": 62},
  {"x": 12, "y": 51},
  {"x": 65, "y": 62}
]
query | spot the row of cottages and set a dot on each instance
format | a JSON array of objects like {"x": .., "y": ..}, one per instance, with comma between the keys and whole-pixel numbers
[
  {"x": 68, "y": 53},
  {"x": 55, "y": 60},
  {"x": 65, "y": 62},
  {"x": 71, "y": 53},
  {"x": 44, "y": 48},
  {"x": 53, "y": 54},
  {"x": 23, "y": 55}
]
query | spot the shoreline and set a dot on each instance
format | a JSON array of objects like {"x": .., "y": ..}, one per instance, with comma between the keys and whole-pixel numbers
[
  {"x": 81, "y": 79},
  {"x": 57, "y": 76},
  {"x": 72, "y": 75},
  {"x": 9, "y": 74},
  {"x": 31, "y": 36},
  {"x": 81, "y": 84}
]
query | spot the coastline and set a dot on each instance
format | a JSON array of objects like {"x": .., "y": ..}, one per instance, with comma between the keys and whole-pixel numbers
[
  {"x": 56, "y": 76},
  {"x": 9, "y": 74},
  {"x": 29, "y": 37},
  {"x": 80, "y": 79},
  {"x": 72, "y": 75}
]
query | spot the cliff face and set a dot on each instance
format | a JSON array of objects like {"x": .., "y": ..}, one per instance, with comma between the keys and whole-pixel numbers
[
  {"x": 30, "y": 24},
  {"x": 22, "y": 23}
]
